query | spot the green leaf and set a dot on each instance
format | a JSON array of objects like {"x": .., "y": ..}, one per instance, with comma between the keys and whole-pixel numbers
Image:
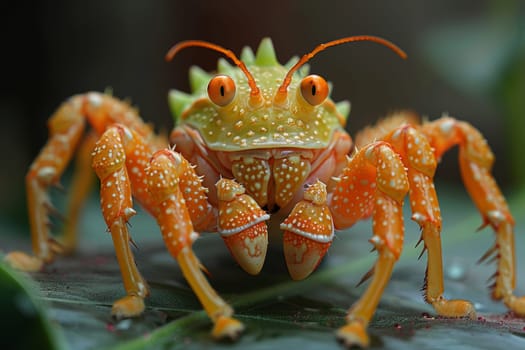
[
  {"x": 24, "y": 322},
  {"x": 279, "y": 312}
]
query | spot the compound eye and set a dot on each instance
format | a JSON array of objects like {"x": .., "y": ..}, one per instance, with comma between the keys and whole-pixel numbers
[
  {"x": 221, "y": 90},
  {"x": 314, "y": 89}
]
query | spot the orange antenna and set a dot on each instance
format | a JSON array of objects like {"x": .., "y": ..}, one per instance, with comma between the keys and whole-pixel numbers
[
  {"x": 228, "y": 53},
  {"x": 281, "y": 93}
]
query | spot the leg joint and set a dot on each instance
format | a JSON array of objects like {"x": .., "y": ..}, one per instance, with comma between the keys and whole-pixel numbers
[{"x": 391, "y": 176}]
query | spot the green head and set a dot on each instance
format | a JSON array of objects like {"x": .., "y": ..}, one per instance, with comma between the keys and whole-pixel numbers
[{"x": 259, "y": 103}]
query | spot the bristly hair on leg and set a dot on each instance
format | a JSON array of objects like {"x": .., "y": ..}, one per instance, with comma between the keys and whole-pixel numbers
[
  {"x": 488, "y": 254},
  {"x": 422, "y": 252},
  {"x": 424, "y": 287},
  {"x": 366, "y": 276}
]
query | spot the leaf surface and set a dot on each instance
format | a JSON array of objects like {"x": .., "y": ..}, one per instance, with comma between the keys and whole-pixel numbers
[{"x": 278, "y": 312}]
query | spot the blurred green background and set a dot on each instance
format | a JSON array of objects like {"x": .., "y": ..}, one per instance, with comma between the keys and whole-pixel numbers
[{"x": 465, "y": 57}]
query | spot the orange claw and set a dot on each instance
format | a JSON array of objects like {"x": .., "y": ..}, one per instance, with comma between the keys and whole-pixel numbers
[
  {"x": 308, "y": 232},
  {"x": 242, "y": 225}
]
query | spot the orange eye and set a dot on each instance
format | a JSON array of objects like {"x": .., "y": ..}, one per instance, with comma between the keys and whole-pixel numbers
[
  {"x": 221, "y": 90},
  {"x": 314, "y": 89}
]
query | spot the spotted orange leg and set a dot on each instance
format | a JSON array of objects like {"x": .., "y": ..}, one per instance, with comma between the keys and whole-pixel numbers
[
  {"x": 476, "y": 160},
  {"x": 117, "y": 159},
  {"x": 82, "y": 182},
  {"x": 373, "y": 183},
  {"x": 112, "y": 152},
  {"x": 166, "y": 173},
  {"x": 418, "y": 157},
  {"x": 66, "y": 128}
]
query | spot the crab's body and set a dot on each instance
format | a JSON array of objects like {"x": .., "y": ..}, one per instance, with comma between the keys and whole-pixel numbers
[
  {"x": 265, "y": 134},
  {"x": 259, "y": 139},
  {"x": 241, "y": 126}
]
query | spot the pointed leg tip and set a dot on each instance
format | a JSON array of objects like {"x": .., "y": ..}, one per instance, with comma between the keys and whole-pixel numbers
[
  {"x": 24, "y": 262},
  {"x": 128, "y": 306},
  {"x": 353, "y": 335},
  {"x": 227, "y": 328},
  {"x": 517, "y": 305}
]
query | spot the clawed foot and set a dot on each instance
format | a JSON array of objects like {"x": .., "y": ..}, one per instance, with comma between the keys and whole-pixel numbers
[
  {"x": 132, "y": 306},
  {"x": 353, "y": 334},
  {"x": 129, "y": 306},
  {"x": 516, "y": 305},
  {"x": 24, "y": 262},
  {"x": 227, "y": 328},
  {"x": 30, "y": 263},
  {"x": 455, "y": 308}
]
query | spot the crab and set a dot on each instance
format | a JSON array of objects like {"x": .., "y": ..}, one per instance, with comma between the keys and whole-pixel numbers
[{"x": 254, "y": 143}]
